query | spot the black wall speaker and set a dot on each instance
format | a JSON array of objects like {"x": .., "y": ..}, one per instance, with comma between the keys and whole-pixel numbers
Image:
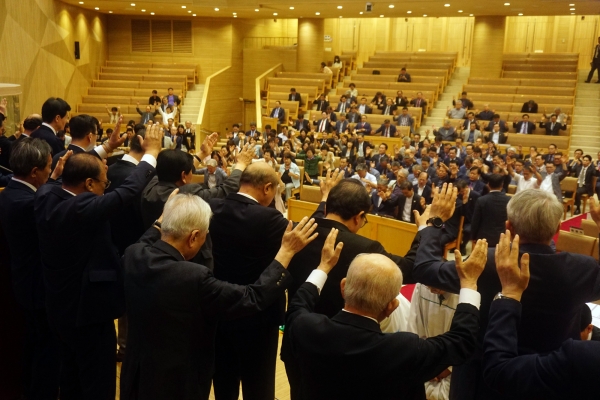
[{"x": 77, "y": 55}]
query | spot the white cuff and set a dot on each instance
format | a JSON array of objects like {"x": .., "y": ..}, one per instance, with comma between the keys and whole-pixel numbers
[
  {"x": 469, "y": 296},
  {"x": 149, "y": 159},
  {"x": 318, "y": 278},
  {"x": 101, "y": 152},
  {"x": 422, "y": 227}
]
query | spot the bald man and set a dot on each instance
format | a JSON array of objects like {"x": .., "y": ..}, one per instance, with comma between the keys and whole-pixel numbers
[
  {"x": 331, "y": 353},
  {"x": 246, "y": 233}
]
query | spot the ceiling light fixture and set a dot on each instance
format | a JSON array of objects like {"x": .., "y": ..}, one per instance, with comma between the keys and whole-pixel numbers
[
  {"x": 507, "y": 4},
  {"x": 381, "y": 16},
  {"x": 189, "y": 11},
  {"x": 317, "y": 13},
  {"x": 572, "y": 13},
  {"x": 572, "y": 9},
  {"x": 275, "y": 14},
  {"x": 151, "y": 13},
  {"x": 520, "y": 13},
  {"x": 110, "y": 12},
  {"x": 409, "y": 12},
  {"x": 193, "y": 15},
  {"x": 391, "y": 6},
  {"x": 340, "y": 16},
  {"x": 256, "y": 9},
  {"x": 216, "y": 9},
  {"x": 339, "y": 7},
  {"x": 132, "y": 4},
  {"x": 143, "y": 10},
  {"x": 183, "y": 7},
  {"x": 424, "y": 15},
  {"x": 96, "y": 8},
  {"x": 291, "y": 8},
  {"x": 446, "y": 5},
  {"x": 470, "y": 15},
  {"x": 361, "y": 13},
  {"x": 235, "y": 16},
  {"x": 460, "y": 11},
  {"x": 571, "y": 5},
  {"x": 81, "y": 2}
]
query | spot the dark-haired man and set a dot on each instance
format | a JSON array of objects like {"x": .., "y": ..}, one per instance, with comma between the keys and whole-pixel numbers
[
  {"x": 82, "y": 272},
  {"x": 585, "y": 174},
  {"x": 55, "y": 116}
]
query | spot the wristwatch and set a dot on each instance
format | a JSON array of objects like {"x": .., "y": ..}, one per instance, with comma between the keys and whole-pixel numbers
[
  {"x": 437, "y": 222},
  {"x": 500, "y": 296}
]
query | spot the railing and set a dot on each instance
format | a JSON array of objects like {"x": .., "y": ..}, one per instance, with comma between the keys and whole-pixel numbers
[
  {"x": 203, "y": 120},
  {"x": 261, "y": 42},
  {"x": 260, "y": 84}
]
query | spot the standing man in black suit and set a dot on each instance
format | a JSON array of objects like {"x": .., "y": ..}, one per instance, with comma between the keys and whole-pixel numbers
[
  {"x": 408, "y": 203},
  {"x": 560, "y": 283},
  {"x": 585, "y": 175},
  {"x": 569, "y": 372},
  {"x": 524, "y": 126},
  {"x": 30, "y": 161},
  {"x": 181, "y": 303},
  {"x": 278, "y": 112},
  {"x": 344, "y": 208},
  {"x": 5, "y": 145},
  {"x": 595, "y": 64},
  {"x": 82, "y": 271},
  {"x": 246, "y": 349},
  {"x": 552, "y": 127},
  {"x": 340, "y": 357},
  {"x": 324, "y": 124},
  {"x": 30, "y": 124},
  {"x": 422, "y": 188},
  {"x": 55, "y": 116},
  {"x": 489, "y": 217}
]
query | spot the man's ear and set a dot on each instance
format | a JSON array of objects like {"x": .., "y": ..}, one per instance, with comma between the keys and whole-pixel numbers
[
  {"x": 89, "y": 184},
  {"x": 389, "y": 309},
  {"x": 343, "y": 287},
  {"x": 183, "y": 174},
  {"x": 266, "y": 187}
]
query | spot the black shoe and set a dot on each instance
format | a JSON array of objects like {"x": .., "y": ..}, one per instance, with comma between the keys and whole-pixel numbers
[
  {"x": 577, "y": 211},
  {"x": 588, "y": 81}
]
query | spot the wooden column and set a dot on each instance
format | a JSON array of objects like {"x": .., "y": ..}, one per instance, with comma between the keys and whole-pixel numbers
[
  {"x": 488, "y": 46},
  {"x": 311, "y": 33}
]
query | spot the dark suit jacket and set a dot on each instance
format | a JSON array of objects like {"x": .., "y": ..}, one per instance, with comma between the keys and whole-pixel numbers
[
  {"x": 327, "y": 125},
  {"x": 368, "y": 109},
  {"x": 519, "y": 125},
  {"x": 18, "y": 221},
  {"x": 501, "y": 138},
  {"x": 552, "y": 131},
  {"x": 346, "y": 107},
  {"x": 82, "y": 271},
  {"x": 477, "y": 186},
  {"x": 569, "y": 372},
  {"x": 5, "y": 147},
  {"x": 502, "y": 123},
  {"x": 126, "y": 225},
  {"x": 281, "y": 116},
  {"x": 341, "y": 357},
  {"x": 322, "y": 105},
  {"x": 385, "y": 208},
  {"x": 526, "y": 109},
  {"x": 392, "y": 109},
  {"x": 75, "y": 149},
  {"x": 404, "y": 78},
  {"x": 239, "y": 260},
  {"x": 400, "y": 202},
  {"x": 173, "y": 309},
  {"x": 296, "y": 97},
  {"x": 45, "y": 133},
  {"x": 426, "y": 192},
  {"x": 353, "y": 117},
  {"x": 364, "y": 125},
  {"x": 401, "y": 101},
  {"x": 589, "y": 176},
  {"x": 560, "y": 284},
  {"x": 300, "y": 125},
  {"x": 382, "y": 128},
  {"x": 423, "y": 103},
  {"x": 341, "y": 125}
]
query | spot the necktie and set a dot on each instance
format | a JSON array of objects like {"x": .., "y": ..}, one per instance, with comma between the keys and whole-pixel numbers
[
  {"x": 418, "y": 102},
  {"x": 387, "y": 132},
  {"x": 387, "y": 110},
  {"x": 523, "y": 127},
  {"x": 322, "y": 128},
  {"x": 343, "y": 108},
  {"x": 552, "y": 127},
  {"x": 582, "y": 177},
  {"x": 276, "y": 112}
]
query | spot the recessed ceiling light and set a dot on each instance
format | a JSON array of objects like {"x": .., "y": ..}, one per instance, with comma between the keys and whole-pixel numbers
[
  {"x": 96, "y": 8},
  {"x": 409, "y": 12},
  {"x": 193, "y": 15},
  {"x": 189, "y": 11},
  {"x": 571, "y": 5},
  {"x": 216, "y": 9},
  {"x": 110, "y": 12},
  {"x": 235, "y": 16},
  {"x": 256, "y": 9},
  {"x": 132, "y": 4},
  {"x": 339, "y": 7},
  {"x": 381, "y": 16},
  {"x": 340, "y": 16},
  {"x": 424, "y": 15},
  {"x": 391, "y": 6},
  {"x": 275, "y": 14},
  {"x": 459, "y": 10},
  {"x": 317, "y": 13},
  {"x": 143, "y": 10},
  {"x": 520, "y": 13},
  {"x": 81, "y": 2},
  {"x": 151, "y": 13},
  {"x": 291, "y": 8},
  {"x": 361, "y": 13},
  {"x": 470, "y": 15},
  {"x": 572, "y": 13},
  {"x": 507, "y": 4},
  {"x": 572, "y": 9},
  {"x": 183, "y": 7},
  {"x": 446, "y": 5}
]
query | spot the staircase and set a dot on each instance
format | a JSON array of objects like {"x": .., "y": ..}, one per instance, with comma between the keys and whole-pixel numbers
[
  {"x": 192, "y": 102},
  {"x": 438, "y": 113},
  {"x": 586, "y": 117}
]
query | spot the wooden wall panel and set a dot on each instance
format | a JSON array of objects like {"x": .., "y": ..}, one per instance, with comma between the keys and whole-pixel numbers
[
  {"x": 37, "y": 46},
  {"x": 488, "y": 43}
]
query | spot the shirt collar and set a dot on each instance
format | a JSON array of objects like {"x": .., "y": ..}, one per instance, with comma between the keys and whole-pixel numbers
[
  {"x": 49, "y": 126},
  {"x": 127, "y": 157},
  {"x": 68, "y": 191},
  {"x": 248, "y": 196},
  {"x": 29, "y": 185},
  {"x": 364, "y": 316}
]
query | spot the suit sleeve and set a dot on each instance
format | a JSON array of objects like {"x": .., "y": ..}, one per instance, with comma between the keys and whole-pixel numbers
[
  {"x": 320, "y": 211},
  {"x": 476, "y": 220},
  {"x": 223, "y": 299},
  {"x": 303, "y": 302},
  {"x": 230, "y": 185},
  {"x": 520, "y": 376},
  {"x": 428, "y": 269},
  {"x": 435, "y": 354},
  {"x": 405, "y": 263}
]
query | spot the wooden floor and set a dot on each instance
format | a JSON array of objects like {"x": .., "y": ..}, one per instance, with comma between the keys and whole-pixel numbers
[{"x": 282, "y": 387}]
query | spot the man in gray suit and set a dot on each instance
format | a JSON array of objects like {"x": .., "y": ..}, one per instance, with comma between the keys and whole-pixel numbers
[
  {"x": 213, "y": 176},
  {"x": 554, "y": 178}
]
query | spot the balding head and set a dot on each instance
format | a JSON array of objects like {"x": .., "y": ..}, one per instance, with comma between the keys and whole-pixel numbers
[
  {"x": 260, "y": 181},
  {"x": 31, "y": 123},
  {"x": 371, "y": 286}
]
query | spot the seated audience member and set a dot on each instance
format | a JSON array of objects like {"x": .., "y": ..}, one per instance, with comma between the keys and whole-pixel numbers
[
  {"x": 489, "y": 217},
  {"x": 486, "y": 114},
  {"x": 325, "y": 69},
  {"x": 331, "y": 115},
  {"x": 345, "y": 209},
  {"x": 535, "y": 216},
  {"x": 311, "y": 165},
  {"x": 452, "y": 157},
  {"x": 404, "y": 76},
  {"x": 293, "y": 96},
  {"x": 470, "y": 119},
  {"x": 381, "y": 152},
  {"x": 585, "y": 176},
  {"x": 278, "y": 112},
  {"x": 83, "y": 286},
  {"x": 422, "y": 188},
  {"x": 173, "y": 99},
  {"x": 352, "y": 93},
  {"x": 328, "y": 353},
  {"x": 408, "y": 202},
  {"x": 213, "y": 175},
  {"x": 381, "y": 199},
  {"x": 363, "y": 107},
  {"x": 458, "y": 112},
  {"x": 419, "y": 101},
  {"x": 366, "y": 179},
  {"x": 475, "y": 184},
  {"x": 343, "y": 104},
  {"x": 524, "y": 126},
  {"x": 253, "y": 132},
  {"x": 387, "y": 129},
  {"x": 588, "y": 331},
  {"x": 162, "y": 285},
  {"x": 321, "y": 103},
  {"x": 390, "y": 107},
  {"x": 114, "y": 114},
  {"x": 30, "y": 162},
  {"x": 384, "y": 168},
  {"x": 290, "y": 175},
  {"x": 561, "y": 117},
  {"x": 446, "y": 132},
  {"x": 431, "y": 313},
  {"x": 497, "y": 121},
  {"x": 568, "y": 371},
  {"x": 360, "y": 145},
  {"x": 154, "y": 99},
  {"x": 324, "y": 124},
  {"x": 169, "y": 112},
  {"x": 496, "y": 135},
  {"x": 345, "y": 167},
  {"x": 353, "y": 116},
  {"x": 54, "y": 115},
  {"x": 148, "y": 114},
  {"x": 401, "y": 100},
  {"x": 404, "y": 119},
  {"x": 531, "y": 178},
  {"x": 552, "y": 127},
  {"x": 379, "y": 101},
  {"x": 530, "y": 107},
  {"x": 464, "y": 101},
  {"x": 341, "y": 125}
]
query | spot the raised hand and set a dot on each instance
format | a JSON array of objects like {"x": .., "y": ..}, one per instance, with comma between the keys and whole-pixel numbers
[
  {"x": 152, "y": 143},
  {"x": 332, "y": 178},
  {"x": 444, "y": 201},
  {"x": 244, "y": 157},
  {"x": 60, "y": 165},
  {"x": 470, "y": 270},
  {"x": 115, "y": 140},
  {"x": 207, "y": 145},
  {"x": 296, "y": 239},
  {"x": 330, "y": 253},
  {"x": 514, "y": 280}
]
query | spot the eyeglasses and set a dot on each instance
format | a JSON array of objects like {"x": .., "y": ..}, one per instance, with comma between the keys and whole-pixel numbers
[
  {"x": 106, "y": 183},
  {"x": 365, "y": 222}
]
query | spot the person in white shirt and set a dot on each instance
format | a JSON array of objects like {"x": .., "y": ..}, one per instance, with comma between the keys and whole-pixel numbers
[
  {"x": 170, "y": 113},
  {"x": 325, "y": 69},
  {"x": 531, "y": 178},
  {"x": 431, "y": 313},
  {"x": 289, "y": 173},
  {"x": 352, "y": 92},
  {"x": 368, "y": 180}
]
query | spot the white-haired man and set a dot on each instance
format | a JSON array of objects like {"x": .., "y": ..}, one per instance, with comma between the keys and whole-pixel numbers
[
  {"x": 174, "y": 305},
  {"x": 560, "y": 283},
  {"x": 213, "y": 175},
  {"x": 331, "y": 353}
]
